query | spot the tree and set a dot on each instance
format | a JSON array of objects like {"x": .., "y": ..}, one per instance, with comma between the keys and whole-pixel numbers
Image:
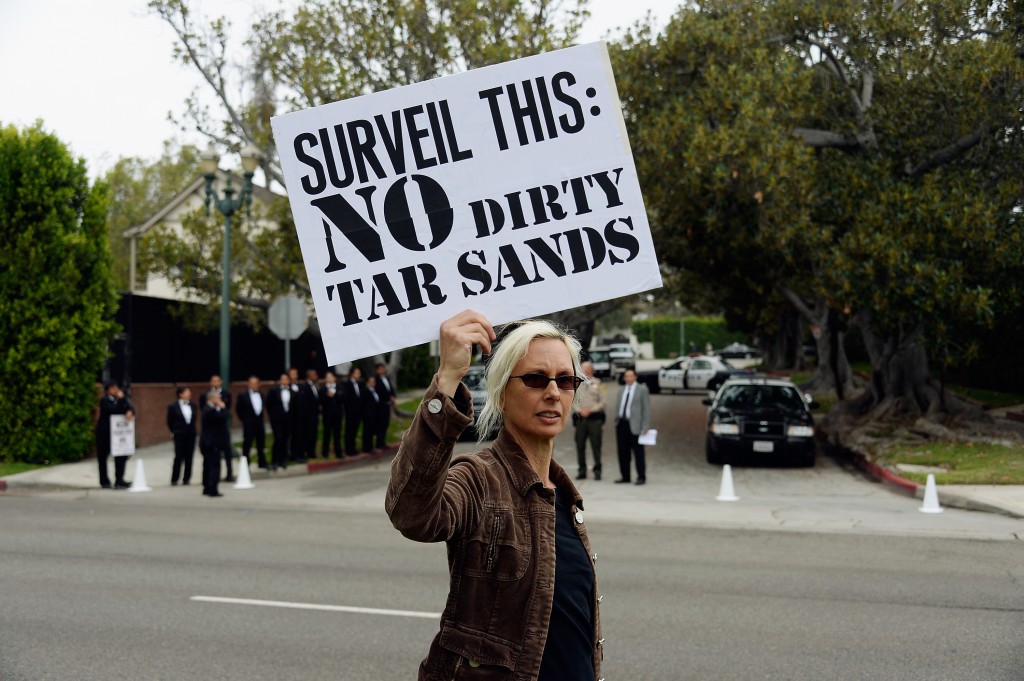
[
  {"x": 265, "y": 266},
  {"x": 138, "y": 189},
  {"x": 856, "y": 159},
  {"x": 327, "y": 50},
  {"x": 56, "y": 297}
]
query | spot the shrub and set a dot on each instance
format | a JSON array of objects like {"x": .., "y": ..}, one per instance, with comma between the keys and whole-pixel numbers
[{"x": 56, "y": 298}]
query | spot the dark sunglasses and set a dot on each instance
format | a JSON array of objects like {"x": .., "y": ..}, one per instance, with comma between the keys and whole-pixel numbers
[{"x": 540, "y": 381}]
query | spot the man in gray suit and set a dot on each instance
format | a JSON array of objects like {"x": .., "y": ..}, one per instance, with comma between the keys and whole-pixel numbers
[{"x": 632, "y": 418}]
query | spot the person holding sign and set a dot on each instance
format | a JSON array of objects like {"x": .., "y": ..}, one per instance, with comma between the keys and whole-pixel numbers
[
  {"x": 524, "y": 596},
  {"x": 113, "y": 402}
]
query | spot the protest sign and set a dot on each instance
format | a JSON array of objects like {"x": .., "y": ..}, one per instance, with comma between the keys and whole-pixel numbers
[
  {"x": 509, "y": 189},
  {"x": 122, "y": 436}
]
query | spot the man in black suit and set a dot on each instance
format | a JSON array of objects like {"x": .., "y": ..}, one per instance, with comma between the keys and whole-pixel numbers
[
  {"x": 217, "y": 386},
  {"x": 279, "y": 409},
  {"x": 250, "y": 410},
  {"x": 112, "y": 403},
  {"x": 296, "y": 437},
  {"x": 332, "y": 408},
  {"x": 353, "y": 398},
  {"x": 309, "y": 401},
  {"x": 214, "y": 442},
  {"x": 386, "y": 390},
  {"x": 182, "y": 418},
  {"x": 372, "y": 405}
]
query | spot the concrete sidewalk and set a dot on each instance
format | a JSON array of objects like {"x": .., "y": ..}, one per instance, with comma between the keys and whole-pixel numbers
[
  {"x": 157, "y": 461},
  {"x": 1005, "y": 499}
]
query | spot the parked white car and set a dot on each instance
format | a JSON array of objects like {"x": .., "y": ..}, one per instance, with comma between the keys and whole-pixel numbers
[{"x": 694, "y": 373}]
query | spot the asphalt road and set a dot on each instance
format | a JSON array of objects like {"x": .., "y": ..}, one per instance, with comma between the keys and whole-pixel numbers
[{"x": 816, "y": 574}]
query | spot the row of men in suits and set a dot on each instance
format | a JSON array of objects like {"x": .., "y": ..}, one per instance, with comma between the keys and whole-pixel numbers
[
  {"x": 294, "y": 408},
  {"x": 297, "y": 407}
]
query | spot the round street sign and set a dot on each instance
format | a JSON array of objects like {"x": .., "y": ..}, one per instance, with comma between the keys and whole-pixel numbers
[{"x": 287, "y": 317}]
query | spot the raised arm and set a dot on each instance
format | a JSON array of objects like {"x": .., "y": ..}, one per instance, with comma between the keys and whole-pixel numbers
[{"x": 426, "y": 500}]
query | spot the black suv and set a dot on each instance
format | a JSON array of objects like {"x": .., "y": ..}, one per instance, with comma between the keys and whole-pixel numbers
[{"x": 766, "y": 419}]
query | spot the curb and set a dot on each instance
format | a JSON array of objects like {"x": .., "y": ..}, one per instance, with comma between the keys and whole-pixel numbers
[
  {"x": 325, "y": 466},
  {"x": 885, "y": 475},
  {"x": 14, "y": 487},
  {"x": 947, "y": 499}
]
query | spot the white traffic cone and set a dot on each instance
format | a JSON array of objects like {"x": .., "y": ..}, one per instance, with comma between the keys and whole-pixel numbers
[
  {"x": 243, "y": 481},
  {"x": 139, "y": 481},
  {"x": 726, "y": 492},
  {"x": 931, "y": 497}
]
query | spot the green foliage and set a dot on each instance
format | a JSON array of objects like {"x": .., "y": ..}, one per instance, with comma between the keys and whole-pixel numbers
[
  {"x": 664, "y": 333},
  {"x": 310, "y": 53},
  {"x": 56, "y": 298},
  {"x": 418, "y": 367},
  {"x": 863, "y": 152},
  {"x": 265, "y": 261},
  {"x": 138, "y": 189},
  {"x": 322, "y": 51}
]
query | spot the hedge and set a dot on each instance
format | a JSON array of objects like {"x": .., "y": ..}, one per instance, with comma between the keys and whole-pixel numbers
[{"x": 699, "y": 331}]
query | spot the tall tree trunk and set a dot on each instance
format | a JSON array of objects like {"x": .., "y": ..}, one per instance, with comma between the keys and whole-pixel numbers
[
  {"x": 901, "y": 384},
  {"x": 833, "y": 375},
  {"x": 783, "y": 350}
]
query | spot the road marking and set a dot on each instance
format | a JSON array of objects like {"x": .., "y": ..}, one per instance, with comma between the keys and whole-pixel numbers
[{"x": 316, "y": 606}]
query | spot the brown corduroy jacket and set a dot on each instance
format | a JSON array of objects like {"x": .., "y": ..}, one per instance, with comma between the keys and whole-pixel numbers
[{"x": 498, "y": 521}]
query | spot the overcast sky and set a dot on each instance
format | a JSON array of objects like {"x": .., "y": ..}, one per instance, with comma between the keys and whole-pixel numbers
[{"x": 101, "y": 77}]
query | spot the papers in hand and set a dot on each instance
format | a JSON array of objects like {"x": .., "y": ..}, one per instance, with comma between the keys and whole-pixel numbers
[{"x": 649, "y": 438}]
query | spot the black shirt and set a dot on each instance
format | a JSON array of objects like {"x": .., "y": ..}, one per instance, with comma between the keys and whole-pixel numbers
[{"x": 569, "y": 651}]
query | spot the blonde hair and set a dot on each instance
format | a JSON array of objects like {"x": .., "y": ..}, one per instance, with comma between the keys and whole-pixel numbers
[{"x": 512, "y": 345}]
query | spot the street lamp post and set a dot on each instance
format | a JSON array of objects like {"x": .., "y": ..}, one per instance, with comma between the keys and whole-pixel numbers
[{"x": 227, "y": 207}]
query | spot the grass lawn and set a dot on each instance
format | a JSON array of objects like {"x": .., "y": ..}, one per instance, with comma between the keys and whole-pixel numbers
[
  {"x": 15, "y": 468},
  {"x": 965, "y": 463},
  {"x": 990, "y": 398}
]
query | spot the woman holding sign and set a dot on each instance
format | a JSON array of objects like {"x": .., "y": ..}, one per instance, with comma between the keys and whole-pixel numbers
[{"x": 523, "y": 593}]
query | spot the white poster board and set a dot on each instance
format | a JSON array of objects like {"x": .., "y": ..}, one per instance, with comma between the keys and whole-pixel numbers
[
  {"x": 509, "y": 189},
  {"x": 122, "y": 436}
]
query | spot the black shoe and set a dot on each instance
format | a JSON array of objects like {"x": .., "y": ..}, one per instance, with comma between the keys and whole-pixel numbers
[
  {"x": 106, "y": 485},
  {"x": 215, "y": 494},
  {"x": 621, "y": 481},
  {"x": 122, "y": 484},
  {"x": 641, "y": 481},
  {"x": 185, "y": 482},
  {"x": 581, "y": 476},
  {"x": 597, "y": 475},
  {"x": 229, "y": 478},
  {"x": 174, "y": 483}
]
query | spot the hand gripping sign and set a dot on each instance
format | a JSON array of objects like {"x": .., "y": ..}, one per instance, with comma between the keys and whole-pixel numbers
[{"x": 508, "y": 189}]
